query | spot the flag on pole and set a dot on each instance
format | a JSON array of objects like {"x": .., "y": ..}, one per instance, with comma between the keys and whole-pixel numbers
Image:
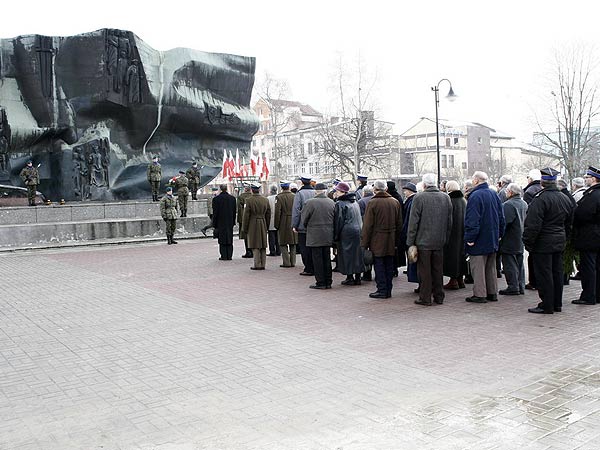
[
  {"x": 259, "y": 166},
  {"x": 265, "y": 169},
  {"x": 253, "y": 164},
  {"x": 231, "y": 166},
  {"x": 225, "y": 168},
  {"x": 238, "y": 171}
]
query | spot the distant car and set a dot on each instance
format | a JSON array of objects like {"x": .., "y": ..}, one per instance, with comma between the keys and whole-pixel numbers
[{"x": 17, "y": 196}]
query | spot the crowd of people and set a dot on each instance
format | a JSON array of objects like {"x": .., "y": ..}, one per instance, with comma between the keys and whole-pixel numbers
[{"x": 472, "y": 234}]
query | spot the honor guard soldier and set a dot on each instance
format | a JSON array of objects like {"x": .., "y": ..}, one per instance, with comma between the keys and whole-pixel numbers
[
  {"x": 168, "y": 211},
  {"x": 154, "y": 175},
  {"x": 193, "y": 176},
  {"x": 31, "y": 178},
  {"x": 181, "y": 184}
]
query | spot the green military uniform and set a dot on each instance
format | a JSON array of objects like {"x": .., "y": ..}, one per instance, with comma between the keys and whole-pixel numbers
[
  {"x": 31, "y": 178},
  {"x": 154, "y": 175},
  {"x": 241, "y": 203},
  {"x": 257, "y": 215},
  {"x": 193, "y": 176},
  {"x": 181, "y": 184},
  {"x": 168, "y": 211},
  {"x": 288, "y": 238}
]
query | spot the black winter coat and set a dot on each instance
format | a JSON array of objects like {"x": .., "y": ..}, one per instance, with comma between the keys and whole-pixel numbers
[
  {"x": 530, "y": 190},
  {"x": 548, "y": 222},
  {"x": 454, "y": 252},
  {"x": 515, "y": 210},
  {"x": 223, "y": 219},
  {"x": 586, "y": 222}
]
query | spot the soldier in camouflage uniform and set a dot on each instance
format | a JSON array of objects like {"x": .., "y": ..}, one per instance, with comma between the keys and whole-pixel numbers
[
  {"x": 31, "y": 178},
  {"x": 240, "y": 215},
  {"x": 181, "y": 184},
  {"x": 168, "y": 211},
  {"x": 193, "y": 176},
  {"x": 154, "y": 175}
]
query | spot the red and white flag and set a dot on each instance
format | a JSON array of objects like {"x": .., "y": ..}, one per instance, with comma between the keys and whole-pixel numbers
[
  {"x": 259, "y": 166},
  {"x": 252, "y": 164},
  {"x": 231, "y": 166},
  {"x": 265, "y": 168},
  {"x": 225, "y": 168},
  {"x": 238, "y": 170}
]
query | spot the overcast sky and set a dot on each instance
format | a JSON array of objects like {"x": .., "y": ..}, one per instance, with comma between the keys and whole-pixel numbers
[{"x": 497, "y": 54}]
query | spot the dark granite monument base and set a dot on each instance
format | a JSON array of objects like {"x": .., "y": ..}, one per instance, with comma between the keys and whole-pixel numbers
[{"x": 54, "y": 225}]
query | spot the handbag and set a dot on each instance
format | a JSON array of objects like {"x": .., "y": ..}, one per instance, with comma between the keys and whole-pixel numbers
[{"x": 368, "y": 257}]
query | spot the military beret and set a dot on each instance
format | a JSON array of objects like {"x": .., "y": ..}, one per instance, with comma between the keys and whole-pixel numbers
[
  {"x": 549, "y": 174},
  {"x": 593, "y": 172}
]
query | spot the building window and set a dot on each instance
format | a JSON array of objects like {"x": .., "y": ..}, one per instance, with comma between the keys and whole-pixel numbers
[
  {"x": 310, "y": 148},
  {"x": 447, "y": 142},
  {"x": 464, "y": 166},
  {"x": 302, "y": 168},
  {"x": 316, "y": 167},
  {"x": 455, "y": 141},
  {"x": 451, "y": 161},
  {"x": 311, "y": 168},
  {"x": 444, "y": 162}
]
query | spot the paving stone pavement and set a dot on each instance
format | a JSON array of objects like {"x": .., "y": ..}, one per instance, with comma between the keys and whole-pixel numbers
[{"x": 165, "y": 347}]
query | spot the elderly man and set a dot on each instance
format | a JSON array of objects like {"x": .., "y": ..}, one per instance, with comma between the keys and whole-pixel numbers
[
  {"x": 381, "y": 233},
  {"x": 511, "y": 245},
  {"x": 305, "y": 193},
  {"x": 505, "y": 180},
  {"x": 484, "y": 226},
  {"x": 429, "y": 228},
  {"x": 547, "y": 227},
  {"x": 533, "y": 187},
  {"x": 223, "y": 220},
  {"x": 317, "y": 220},
  {"x": 586, "y": 238},
  {"x": 367, "y": 195},
  {"x": 578, "y": 187}
]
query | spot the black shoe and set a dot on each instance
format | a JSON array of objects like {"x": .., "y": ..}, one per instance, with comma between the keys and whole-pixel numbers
[
  {"x": 557, "y": 309},
  {"x": 173, "y": 241},
  {"x": 319, "y": 286},
  {"x": 521, "y": 292},
  {"x": 468, "y": 279},
  {"x": 348, "y": 282},
  {"x": 247, "y": 256},
  {"x": 538, "y": 310},
  {"x": 367, "y": 277},
  {"x": 474, "y": 299},
  {"x": 422, "y": 303},
  {"x": 492, "y": 298},
  {"x": 222, "y": 259},
  {"x": 307, "y": 274},
  {"x": 417, "y": 290},
  {"x": 530, "y": 287},
  {"x": 283, "y": 265},
  {"x": 439, "y": 302},
  {"x": 582, "y": 302},
  {"x": 257, "y": 268},
  {"x": 378, "y": 295},
  {"x": 507, "y": 292}
]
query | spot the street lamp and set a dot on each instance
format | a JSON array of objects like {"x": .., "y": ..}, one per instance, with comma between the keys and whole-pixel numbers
[{"x": 450, "y": 97}]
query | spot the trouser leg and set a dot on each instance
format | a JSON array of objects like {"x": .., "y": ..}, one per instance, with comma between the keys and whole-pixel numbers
[
  {"x": 511, "y": 272},
  {"x": 437, "y": 275},
  {"x": 557, "y": 278},
  {"x": 589, "y": 276},
  {"x": 380, "y": 277},
  {"x": 542, "y": 265},
  {"x": 532, "y": 272},
  {"x": 285, "y": 256},
  {"x": 293, "y": 254},
  {"x": 223, "y": 251},
  {"x": 425, "y": 276},
  {"x": 390, "y": 271},
  {"x": 521, "y": 267},
  {"x": 477, "y": 264},
  {"x": 318, "y": 265},
  {"x": 272, "y": 237},
  {"x": 305, "y": 253},
  {"x": 327, "y": 270},
  {"x": 256, "y": 257},
  {"x": 491, "y": 278},
  {"x": 263, "y": 257}
]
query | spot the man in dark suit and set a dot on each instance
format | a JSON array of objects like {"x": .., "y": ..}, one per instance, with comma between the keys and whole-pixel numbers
[{"x": 223, "y": 220}]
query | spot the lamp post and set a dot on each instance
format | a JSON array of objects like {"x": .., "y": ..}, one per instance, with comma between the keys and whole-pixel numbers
[{"x": 450, "y": 97}]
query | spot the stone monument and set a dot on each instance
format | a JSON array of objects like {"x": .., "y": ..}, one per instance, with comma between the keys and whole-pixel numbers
[{"x": 93, "y": 109}]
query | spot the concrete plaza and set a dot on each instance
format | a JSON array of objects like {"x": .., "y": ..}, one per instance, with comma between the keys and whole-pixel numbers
[{"x": 162, "y": 347}]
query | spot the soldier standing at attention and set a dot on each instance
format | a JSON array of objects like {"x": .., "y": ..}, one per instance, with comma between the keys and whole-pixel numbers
[
  {"x": 255, "y": 224},
  {"x": 241, "y": 203},
  {"x": 31, "y": 178},
  {"x": 284, "y": 203},
  {"x": 154, "y": 175},
  {"x": 168, "y": 211},
  {"x": 193, "y": 176},
  {"x": 181, "y": 184}
]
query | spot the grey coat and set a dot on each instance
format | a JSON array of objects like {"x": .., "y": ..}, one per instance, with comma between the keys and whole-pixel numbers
[
  {"x": 317, "y": 220},
  {"x": 430, "y": 220},
  {"x": 304, "y": 194},
  {"x": 514, "y": 215},
  {"x": 347, "y": 226}
]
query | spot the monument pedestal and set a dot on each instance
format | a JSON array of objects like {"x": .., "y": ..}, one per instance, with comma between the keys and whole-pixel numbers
[{"x": 56, "y": 225}]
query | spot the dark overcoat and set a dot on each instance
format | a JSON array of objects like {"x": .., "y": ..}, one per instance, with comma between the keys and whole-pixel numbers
[
  {"x": 382, "y": 225},
  {"x": 586, "y": 222},
  {"x": 223, "y": 217},
  {"x": 454, "y": 251},
  {"x": 284, "y": 203},
  {"x": 484, "y": 221},
  {"x": 515, "y": 210},
  {"x": 257, "y": 214},
  {"x": 347, "y": 224}
]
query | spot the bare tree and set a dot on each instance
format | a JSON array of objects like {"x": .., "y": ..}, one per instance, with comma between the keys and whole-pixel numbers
[
  {"x": 352, "y": 137},
  {"x": 574, "y": 107},
  {"x": 273, "y": 92}
]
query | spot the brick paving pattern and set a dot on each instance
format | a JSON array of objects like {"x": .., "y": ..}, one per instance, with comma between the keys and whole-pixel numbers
[{"x": 165, "y": 347}]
